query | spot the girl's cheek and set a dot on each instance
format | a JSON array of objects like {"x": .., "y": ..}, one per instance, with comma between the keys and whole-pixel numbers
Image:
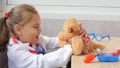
[{"x": 35, "y": 34}]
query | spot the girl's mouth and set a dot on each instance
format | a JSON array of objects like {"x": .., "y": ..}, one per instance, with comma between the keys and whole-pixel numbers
[{"x": 37, "y": 37}]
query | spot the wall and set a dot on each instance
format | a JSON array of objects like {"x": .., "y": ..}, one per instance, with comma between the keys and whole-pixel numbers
[
  {"x": 2, "y": 6},
  {"x": 111, "y": 28}
]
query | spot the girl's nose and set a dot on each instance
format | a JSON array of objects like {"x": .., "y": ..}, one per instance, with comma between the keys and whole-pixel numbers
[{"x": 39, "y": 30}]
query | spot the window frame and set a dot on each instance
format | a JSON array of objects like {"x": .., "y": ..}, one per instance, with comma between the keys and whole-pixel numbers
[{"x": 49, "y": 10}]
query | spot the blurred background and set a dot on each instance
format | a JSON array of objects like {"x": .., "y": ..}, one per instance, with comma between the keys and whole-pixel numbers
[{"x": 98, "y": 16}]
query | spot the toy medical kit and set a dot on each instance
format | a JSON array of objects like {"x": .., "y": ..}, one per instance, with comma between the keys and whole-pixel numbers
[{"x": 103, "y": 56}]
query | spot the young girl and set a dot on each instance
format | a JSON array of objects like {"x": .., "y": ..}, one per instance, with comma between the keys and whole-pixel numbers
[{"x": 27, "y": 48}]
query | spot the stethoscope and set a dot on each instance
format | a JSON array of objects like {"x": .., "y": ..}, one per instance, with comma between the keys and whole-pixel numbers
[{"x": 38, "y": 49}]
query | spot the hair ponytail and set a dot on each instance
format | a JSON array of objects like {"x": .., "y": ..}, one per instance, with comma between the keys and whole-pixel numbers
[
  {"x": 4, "y": 38},
  {"x": 4, "y": 34}
]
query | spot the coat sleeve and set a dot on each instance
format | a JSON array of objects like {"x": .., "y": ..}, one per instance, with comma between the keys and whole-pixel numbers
[
  {"x": 59, "y": 57},
  {"x": 49, "y": 43},
  {"x": 22, "y": 58}
]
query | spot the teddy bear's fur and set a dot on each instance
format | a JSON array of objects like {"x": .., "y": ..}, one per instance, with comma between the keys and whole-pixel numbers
[{"x": 80, "y": 43}]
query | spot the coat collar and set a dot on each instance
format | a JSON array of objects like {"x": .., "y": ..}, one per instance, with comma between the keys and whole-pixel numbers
[{"x": 11, "y": 42}]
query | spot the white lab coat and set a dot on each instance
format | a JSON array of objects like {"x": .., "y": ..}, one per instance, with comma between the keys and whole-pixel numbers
[{"x": 20, "y": 57}]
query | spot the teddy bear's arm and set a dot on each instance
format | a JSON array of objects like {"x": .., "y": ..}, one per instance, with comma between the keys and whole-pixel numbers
[
  {"x": 98, "y": 45},
  {"x": 77, "y": 45},
  {"x": 62, "y": 43}
]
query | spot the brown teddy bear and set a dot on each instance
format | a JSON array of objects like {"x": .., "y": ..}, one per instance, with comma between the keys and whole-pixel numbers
[{"x": 74, "y": 34}]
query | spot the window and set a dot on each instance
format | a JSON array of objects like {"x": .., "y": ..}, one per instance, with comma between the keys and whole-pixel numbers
[
  {"x": 80, "y": 3},
  {"x": 82, "y": 9},
  {"x": 2, "y": 5}
]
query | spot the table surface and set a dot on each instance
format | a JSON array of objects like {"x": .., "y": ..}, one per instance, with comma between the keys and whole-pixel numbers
[{"x": 111, "y": 45}]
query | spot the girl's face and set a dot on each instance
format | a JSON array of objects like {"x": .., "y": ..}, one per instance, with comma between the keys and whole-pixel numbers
[{"x": 30, "y": 31}]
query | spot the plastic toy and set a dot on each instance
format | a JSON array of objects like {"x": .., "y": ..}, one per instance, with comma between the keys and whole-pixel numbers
[
  {"x": 38, "y": 50},
  {"x": 103, "y": 57},
  {"x": 89, "y": 58},
  {"x": 98, "y": 37},
  {"x": 108, "y": 58}
]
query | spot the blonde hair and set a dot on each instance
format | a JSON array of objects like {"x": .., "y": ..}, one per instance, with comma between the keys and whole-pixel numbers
[{"x": 20, "y": 15}]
